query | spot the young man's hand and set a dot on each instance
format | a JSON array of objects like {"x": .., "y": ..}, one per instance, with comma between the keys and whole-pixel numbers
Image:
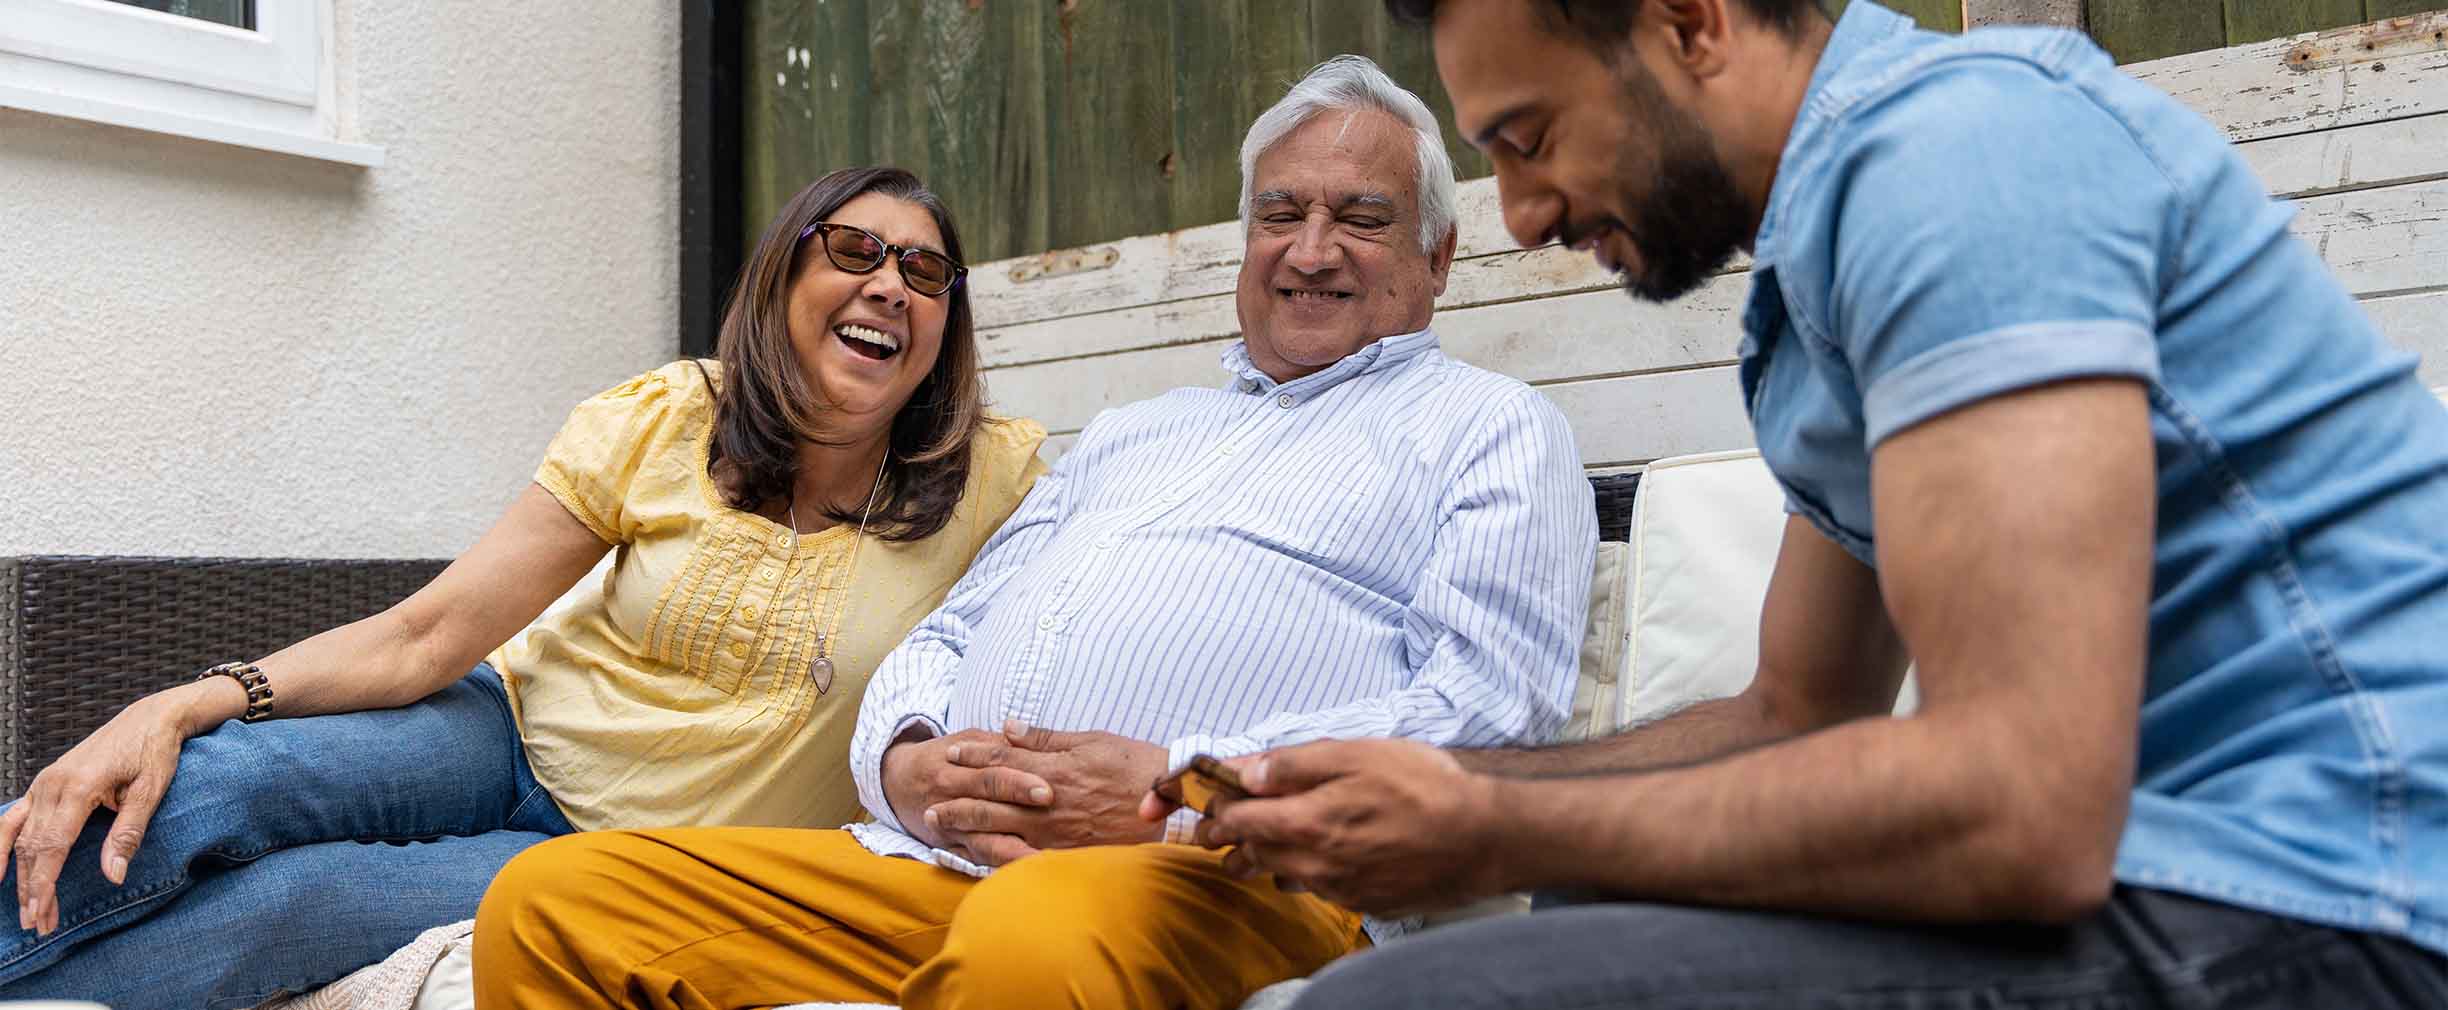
[{"x": 1389, "y": 827}]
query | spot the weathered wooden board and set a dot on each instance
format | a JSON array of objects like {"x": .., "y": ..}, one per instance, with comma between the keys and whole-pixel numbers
[
  {"x": 1935, "y": 15},
  {"x": 1572, "y": 338},
  {"x": 2255, "y": 99},
  {"x": 1628, "y": 420},
  {"x": 2251, "y": 93},
  {"x": 2357, "y": 143},
  {"x": 2255, "y": 20},
  {"x": 1638, "y": 418},
  {"x": 1575, "y": 336},
  {"x": 2055, "y": 13},
  {"x": 810, "y": 57},
  {"x": 1110, "y": 118},
  {"x": 2375, "y": 238},
  {"x": 2381, "y": 240},
  {"x": 2418, "y": 323},
  {"x": 1045, "y": 123},
  {"x": 2367, "y": 156},
  {"x": 1238, "y": 53}
]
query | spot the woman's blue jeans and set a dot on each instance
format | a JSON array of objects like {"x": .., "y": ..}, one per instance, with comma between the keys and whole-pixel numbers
[{"x": 289, "y": 853}]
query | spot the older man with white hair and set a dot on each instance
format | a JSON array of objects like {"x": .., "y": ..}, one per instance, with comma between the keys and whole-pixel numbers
[{"x": 1355, "y": 536}]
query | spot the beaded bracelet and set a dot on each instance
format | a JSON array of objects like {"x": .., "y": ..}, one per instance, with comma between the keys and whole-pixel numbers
[{"x": 251, "y": 677}]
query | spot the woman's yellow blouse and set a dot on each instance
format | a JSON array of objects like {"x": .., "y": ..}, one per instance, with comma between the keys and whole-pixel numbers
[{"x": 676, "y": 691}]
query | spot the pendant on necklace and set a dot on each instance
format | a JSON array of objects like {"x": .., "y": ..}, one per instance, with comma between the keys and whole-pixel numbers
[{"x": 821, "y": 670}]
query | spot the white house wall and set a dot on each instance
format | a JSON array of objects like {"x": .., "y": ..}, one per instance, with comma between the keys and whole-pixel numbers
[{"x": 209, "y": 350}]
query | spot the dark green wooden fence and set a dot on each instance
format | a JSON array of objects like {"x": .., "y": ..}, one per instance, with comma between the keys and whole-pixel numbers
[{"x": 1055, "y": 123}]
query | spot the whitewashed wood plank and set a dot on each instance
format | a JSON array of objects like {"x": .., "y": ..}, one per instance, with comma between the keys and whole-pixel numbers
[
  {"x": 2247, "y": 91},
  {"x": 2250, "y": 92},
  {"x": 1638, "y": 418},
  {"x": 2381, "y": 240},
  {"x": 1515, "y": 276},
  {"x": 1635, "y": 419},
  {"x": 1065, "y": 395},
  {"x": 2377, "y": 240},
  {"x": 2369, "y": 156},
  {"x": 1571, "y": 337},
  {"x": 1146, "y": 269},
  {"x": 1056, "y": 445},
  {"x": 2366, "y": 156},
  {"x": 1630, "y": 420},
  {"x": 2418, "y": 323}
]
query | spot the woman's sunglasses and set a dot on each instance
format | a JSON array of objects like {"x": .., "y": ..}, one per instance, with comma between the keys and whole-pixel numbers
[{"x": 857, "y": 250}]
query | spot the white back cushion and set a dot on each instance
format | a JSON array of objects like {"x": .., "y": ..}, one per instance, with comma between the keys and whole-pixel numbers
[
  {"x": 1705, "y": 534},
  {"x": 1705, "y": 531}
]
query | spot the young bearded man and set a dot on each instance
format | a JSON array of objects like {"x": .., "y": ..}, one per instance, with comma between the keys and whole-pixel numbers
[{"x": 2064, "y": 415}]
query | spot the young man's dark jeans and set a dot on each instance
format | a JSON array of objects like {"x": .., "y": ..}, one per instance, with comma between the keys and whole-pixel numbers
[{"x": 2146, "y": 949}]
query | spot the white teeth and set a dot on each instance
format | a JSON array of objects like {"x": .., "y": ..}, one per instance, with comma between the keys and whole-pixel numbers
[{"x": 868, "y": 335}]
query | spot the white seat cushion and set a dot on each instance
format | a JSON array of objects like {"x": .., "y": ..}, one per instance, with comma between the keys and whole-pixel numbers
[{"x": 1602, "y": 644}]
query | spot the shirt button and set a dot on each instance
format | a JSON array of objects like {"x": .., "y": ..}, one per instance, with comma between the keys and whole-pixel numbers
[
  {"x": 1283, "y": 400},
  {"x": 1105, "y": 544},
  {"x": 765, "y": 575},
  {"x": 749, "y": 612},
  {"x": 1046, "y": 623},
  {"x": 739, "y": 650},
  {"x": 782, "y": 540}
]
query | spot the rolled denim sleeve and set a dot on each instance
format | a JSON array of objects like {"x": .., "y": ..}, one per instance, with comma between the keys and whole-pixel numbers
[{"x": 1979, "y": 249}]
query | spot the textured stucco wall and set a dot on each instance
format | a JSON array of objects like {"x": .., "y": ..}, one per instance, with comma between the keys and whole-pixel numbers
[{"x": 211, "y": 350}]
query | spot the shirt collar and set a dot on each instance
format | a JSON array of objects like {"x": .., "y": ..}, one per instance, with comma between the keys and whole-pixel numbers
[
  {"x": 1377, "y": 355},
  {"x": 1863, "y": 26}
]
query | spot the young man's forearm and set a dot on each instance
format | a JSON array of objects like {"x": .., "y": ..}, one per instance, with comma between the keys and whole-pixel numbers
[
  {"x": 1699, "y": 732},
  {"x": 1882, "y": 818}
]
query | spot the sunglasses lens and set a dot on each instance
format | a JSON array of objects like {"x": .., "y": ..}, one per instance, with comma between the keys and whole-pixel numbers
[
  {"x": 853, "y": 249},
  {"x": 927, "y": 272}
]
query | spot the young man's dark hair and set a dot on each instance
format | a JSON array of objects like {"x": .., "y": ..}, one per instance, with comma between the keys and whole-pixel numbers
[{"x": 1610, "y": 19}]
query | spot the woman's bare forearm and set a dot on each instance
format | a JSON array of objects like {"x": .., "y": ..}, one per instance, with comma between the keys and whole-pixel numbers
[
  {"x": 423, "y": 643},
  {"x": 368, "y": 664}
]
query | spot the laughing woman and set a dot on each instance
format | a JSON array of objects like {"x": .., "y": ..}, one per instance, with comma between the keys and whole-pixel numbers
[{"x": 783, "y": 517}]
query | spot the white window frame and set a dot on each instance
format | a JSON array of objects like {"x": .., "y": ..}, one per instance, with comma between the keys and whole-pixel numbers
[{"x": 270, "y": 88}]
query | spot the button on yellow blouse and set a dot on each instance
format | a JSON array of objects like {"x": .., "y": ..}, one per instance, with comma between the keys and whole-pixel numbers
[{"x": 629, "y": 717}]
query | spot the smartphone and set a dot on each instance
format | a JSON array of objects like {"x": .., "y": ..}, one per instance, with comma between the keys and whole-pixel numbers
[{"x": 1200, "y": 783}]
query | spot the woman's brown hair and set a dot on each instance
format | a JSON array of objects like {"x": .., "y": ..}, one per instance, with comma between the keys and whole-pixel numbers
[{"x": 766, "y": 406}]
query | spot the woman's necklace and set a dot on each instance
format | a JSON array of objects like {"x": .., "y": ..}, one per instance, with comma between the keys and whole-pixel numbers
[{"x": 820, "y": 669}]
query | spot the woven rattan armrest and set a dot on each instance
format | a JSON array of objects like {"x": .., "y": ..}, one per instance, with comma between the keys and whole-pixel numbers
[{"x": 81, "y": 637}]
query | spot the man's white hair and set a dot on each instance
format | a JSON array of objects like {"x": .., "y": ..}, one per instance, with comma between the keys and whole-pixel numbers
[{"x": 1349, "y": 84}]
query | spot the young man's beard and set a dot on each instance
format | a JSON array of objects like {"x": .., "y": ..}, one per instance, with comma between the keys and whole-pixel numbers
[{"x": 1692, "y": 221}]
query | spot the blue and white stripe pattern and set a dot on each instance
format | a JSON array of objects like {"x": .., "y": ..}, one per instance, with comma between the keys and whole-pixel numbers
[{"x": 1398, "y": 545}]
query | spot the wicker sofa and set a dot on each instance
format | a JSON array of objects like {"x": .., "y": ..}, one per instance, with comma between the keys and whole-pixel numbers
[{"x": 81, "y": 637}]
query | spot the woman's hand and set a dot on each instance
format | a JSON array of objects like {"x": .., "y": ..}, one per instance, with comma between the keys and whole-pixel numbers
[{"x": 125, "y": 766}]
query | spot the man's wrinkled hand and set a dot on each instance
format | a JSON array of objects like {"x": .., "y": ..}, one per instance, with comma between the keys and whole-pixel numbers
[
  {"x": 920, "y": 774},
  {"x": 1387, "y": 827},
  {"x": 1097, "y": 780}
]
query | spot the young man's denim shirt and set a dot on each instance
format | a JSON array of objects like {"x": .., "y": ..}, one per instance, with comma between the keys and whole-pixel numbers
[{"x": 1958, "y": 217}]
